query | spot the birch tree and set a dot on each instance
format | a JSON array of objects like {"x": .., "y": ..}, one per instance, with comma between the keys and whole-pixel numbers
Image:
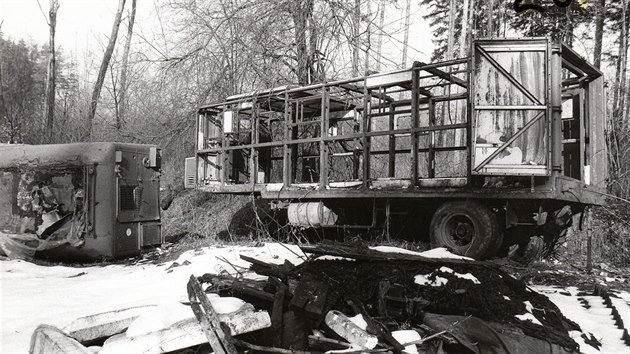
[
  {"x": 96, "y": 93},
  {"x": 122, "y": 109},
  {"x": 49, "y": 105}
]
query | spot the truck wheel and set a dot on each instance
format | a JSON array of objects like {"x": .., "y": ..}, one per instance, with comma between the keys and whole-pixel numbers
[{"x": 468, "y": 228}]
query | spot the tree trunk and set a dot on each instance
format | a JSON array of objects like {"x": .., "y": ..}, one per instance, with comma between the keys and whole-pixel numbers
[
  {"x": 406, "y": 39},
  {"x": 356, "y": 15},
  {"x": 599, "y": 32},
  {"x": 49, "y": 106},
  {"x": 381, "y": 23},
  {"x": 368, "y": 35},
  {"x": 490, "y": 19},
  {"x": 301, "y": 11},
  {"x": 621, "y": 68},
  {"x": 103, "y": 70},
  {"x": 120, "y": 117},
  {"x": 451, "y": 30},
  {"x": 463, "y": 36}
]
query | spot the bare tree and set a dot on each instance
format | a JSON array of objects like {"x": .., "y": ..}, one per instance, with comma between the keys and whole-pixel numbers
[
  {"x": 120, "y": 116},
  {"x": 599, "y": 32},
  {"x": 49, "y": 106},
  {"x": 406, "y": 38},
  {"x": 104, "y": 64}
]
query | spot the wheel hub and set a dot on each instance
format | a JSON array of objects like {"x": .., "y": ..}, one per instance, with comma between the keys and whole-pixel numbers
[{"x": 461, "y": 230}]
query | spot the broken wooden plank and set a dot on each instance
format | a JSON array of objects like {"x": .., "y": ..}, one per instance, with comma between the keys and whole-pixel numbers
[
  {"x": 184, "y": 334},
  {"x": 366, "y": 254},
  {"x": 277, "y": 311},
  {"x": 103, "y": 325},
  {"x": 202, "y": 308},
  {"x": 269, "y": 269},
  {"x": 51, "y": 340},
  {"x": 240, "y": 288}
]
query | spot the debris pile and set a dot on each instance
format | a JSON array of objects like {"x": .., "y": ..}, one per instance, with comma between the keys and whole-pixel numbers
[{"x": 349, "y": 299}]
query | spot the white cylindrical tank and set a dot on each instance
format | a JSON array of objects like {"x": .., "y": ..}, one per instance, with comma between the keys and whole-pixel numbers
[{"x": 311, "y": 214}]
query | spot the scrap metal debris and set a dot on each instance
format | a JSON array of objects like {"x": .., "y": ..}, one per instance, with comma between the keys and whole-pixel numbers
[{"x": 341, "y": 298}]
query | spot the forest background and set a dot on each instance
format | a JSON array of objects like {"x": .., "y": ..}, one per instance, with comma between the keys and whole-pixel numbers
[{"x": 144, "y": 86}]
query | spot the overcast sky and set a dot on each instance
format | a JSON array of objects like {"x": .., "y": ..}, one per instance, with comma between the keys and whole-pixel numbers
[{"x": 84, "y": 25}]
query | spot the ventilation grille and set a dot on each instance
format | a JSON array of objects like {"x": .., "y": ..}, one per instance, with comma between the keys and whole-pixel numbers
[
  {"x": 126, "y": 198},
  {"x": 190, "y": 172}
]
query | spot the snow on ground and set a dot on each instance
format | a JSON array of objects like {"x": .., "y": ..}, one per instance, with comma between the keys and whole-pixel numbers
[
  {"x": 597, "y": 319},
  {"x": 56, "y": 295}
]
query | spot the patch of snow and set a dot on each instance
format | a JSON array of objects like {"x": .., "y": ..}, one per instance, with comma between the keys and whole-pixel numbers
[
  {"x": 442, "y": 252},
  {"x": 506, "y": 298},
  {"x": 424, "y": 280},
  {"x": 459, "y": 275},
  {"x": 34, "y": 294},
  {"x": 439, "y": 252},
  {"x": 596, "y": 320},
  {"x": 392, "y": 249},
  {"x": 407, "y": 336},
  {"x": 528, "y": 306},
  {"x": 334, "y": 258},
  {"x": 528, "y": 317}
]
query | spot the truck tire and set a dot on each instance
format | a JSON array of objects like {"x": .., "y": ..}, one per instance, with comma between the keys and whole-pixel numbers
[{"x": 467, "y": 228}]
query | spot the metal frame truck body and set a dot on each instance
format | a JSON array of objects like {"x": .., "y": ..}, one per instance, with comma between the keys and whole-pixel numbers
[
  {"x": 83, "y": 201},
  {"x": 500, "y": 148}
]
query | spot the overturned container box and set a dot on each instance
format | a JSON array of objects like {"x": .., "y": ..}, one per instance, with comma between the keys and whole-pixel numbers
[{"x": 85, "y": 200}]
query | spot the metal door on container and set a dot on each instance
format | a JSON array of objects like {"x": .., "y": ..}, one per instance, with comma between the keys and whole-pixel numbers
[{"x": 509, "y": 99}]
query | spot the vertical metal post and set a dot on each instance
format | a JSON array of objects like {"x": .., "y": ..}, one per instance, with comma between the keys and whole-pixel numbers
[
  {"x": 431, "y": 139},
  {"x": 253, "y": 152},
  {"x": 554, "y": 110},
  {"x": 415, "y": 81},
  {"x": 286, "y": 155},
  {"x": 323, "y": 146},
  {"x": 392, "y": 143},
  {"x": 365, "y": 128}
]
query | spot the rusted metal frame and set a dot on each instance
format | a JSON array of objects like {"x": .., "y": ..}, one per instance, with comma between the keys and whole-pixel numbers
[
  {"x": 441, "y": 74},
  {"x": 582, "y": 143},
  {"x": 387, "y": 114},
  {"x": 431, "y": 165},
  {"x": 511, "y": 108},
  {"x": 470, "y": 64},
  {"x": 510, "y": 141},
  {"x": 508, "y": 76},
  {"x": 224, "y": 157},
  {"x": 339, "y": 138},
  {"x": 360, "y": 90},
  {"x": 447, "y": 193},
  {"x": 415, "y": 121},
  {"x": 365, "y": 139},
  {"x": 286, "y": 154},
  {"x": 255, "y": 136},
  {"x": 406, "y": 151},
  {"x": 308, "y": 122},
  {"x": 392, "y": 144},
  {"x": 323, "y": 146},
  {"x": 553, "y": 81}
]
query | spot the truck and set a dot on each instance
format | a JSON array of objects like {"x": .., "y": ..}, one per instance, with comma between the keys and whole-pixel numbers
[
  {"x": 490, "y": 154},
  {"x": 80, "y": 201}
]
